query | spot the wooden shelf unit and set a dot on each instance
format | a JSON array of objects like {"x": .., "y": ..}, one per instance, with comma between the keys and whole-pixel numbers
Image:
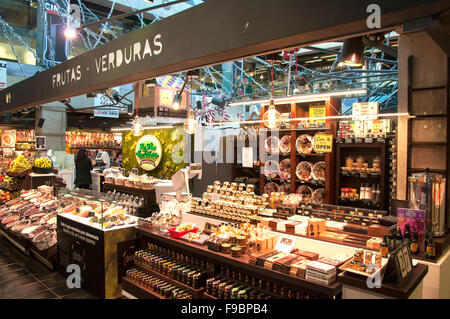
[
  {"x": 368, "y": 151},
  {"x": 301, "y": 110}
]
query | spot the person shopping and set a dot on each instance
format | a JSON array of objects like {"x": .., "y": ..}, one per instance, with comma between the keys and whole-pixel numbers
[{"x": 83, "y": 167}]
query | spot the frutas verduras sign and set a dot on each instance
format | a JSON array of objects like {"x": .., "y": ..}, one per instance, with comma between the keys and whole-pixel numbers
[{"x": 148, "y": 152}]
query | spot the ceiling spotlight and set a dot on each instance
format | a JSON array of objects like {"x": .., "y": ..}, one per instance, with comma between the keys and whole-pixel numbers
[
  {"x": 130, "y": 109},
  {"x": 353, "y": 52},
  {"x": 178, "y": 97},
  {"x": 193, "y": 74},
  {"x": 150, "y": 83},
  {"x": 116, "y": 96},
  {"x": 218, "y": 102},
  {"x": 92, "y": 94},
  {"x": 70, "y": 34},
  {"x": 177, "y": 101}
]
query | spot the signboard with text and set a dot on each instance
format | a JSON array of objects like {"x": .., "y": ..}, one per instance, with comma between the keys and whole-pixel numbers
[
  {"x": 323, "y": 143},
  {"x": 110, "y": 113},
  {"x": 3, "y": 65},
  {"x": 148, "y": 152},
  {"x": 317, "y": 111}
]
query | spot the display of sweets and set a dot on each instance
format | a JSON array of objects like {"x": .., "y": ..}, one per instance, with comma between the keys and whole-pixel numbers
[
  {"x": 231, "y": 201},
  {"x": 240, "y": 239},
  {"x": 94, "y": 211},
  {"x": 366, "y": 261},
  {"x": 158, "y": 285},
  {"x": 158, "y": 220}
]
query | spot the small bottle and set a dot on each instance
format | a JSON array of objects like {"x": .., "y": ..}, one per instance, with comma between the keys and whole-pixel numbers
[
  {"x": 374, "y": 193},
  {"x": 430, "y": 250},
  {"x": 407, "y": 235},
  {"x": 378, "y": 191},
  {"x": 384, "y": 248},
  {"x": 362, "y": 192},
  {"x": 391, "y": 240},
  {"x": 414, "y": 245},
  {"x": 398, "y": 238}
]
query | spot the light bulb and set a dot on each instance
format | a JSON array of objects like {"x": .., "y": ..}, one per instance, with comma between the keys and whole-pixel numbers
[
  {"x": 176, "y": 106},
  {"x": 190, "y": 125},
  {"x": 70, "y": 34},
  {"x": 272, "y": 118},
  {"x": 137, "y": 127}
]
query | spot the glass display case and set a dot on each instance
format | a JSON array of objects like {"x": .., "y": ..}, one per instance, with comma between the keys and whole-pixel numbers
[{"x": 100, "y": 211}]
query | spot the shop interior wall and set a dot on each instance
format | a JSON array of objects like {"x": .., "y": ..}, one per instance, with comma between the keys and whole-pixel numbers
[
  {"x": 173, "y": 145},
  {"x": 429, "y": 69}
]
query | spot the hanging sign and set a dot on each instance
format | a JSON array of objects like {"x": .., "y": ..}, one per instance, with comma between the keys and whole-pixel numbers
[
  {"x": 2, "y": 74},
  {"x": 247, "y": 157},
  {"x": 317, "y": 111},
  {"x": 110, "y": 113},
  {"x": 148, "y": 152},
  {"x": 323, "y": 143}
]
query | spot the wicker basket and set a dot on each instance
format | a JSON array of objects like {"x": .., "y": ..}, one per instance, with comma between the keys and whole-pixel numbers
[{"x": 40, "y": 170}]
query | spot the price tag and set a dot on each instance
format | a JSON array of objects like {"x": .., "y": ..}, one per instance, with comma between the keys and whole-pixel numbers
[
  {"x": 368, "y": 140},
  {"x": 285, "y": 244},
  {"x": 348, "y": 140},
  {"x": 358, "y": 140}
]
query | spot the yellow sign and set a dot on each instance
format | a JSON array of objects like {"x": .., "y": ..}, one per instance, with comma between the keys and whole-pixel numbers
[
  {"x": 323, "y": 143},
  {"x": 317, "y": 111},
  {"x": 165, "y": 97}
]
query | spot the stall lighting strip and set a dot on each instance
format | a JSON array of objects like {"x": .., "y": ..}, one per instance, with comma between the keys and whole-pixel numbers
[
  {"x": 334, "y": 117},
  {"x": 302, "y": 98},
  {"x": 162, "y": 127}
]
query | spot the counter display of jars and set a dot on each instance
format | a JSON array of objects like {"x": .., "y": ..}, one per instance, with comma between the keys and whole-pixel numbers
[{"x": 230, "y": 201}]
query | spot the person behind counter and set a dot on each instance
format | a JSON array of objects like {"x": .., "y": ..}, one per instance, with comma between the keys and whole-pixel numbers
[{"x": 83, "y": 165}]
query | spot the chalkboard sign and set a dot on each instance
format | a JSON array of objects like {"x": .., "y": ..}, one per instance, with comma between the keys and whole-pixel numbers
[{"x": 399, "y": 266}]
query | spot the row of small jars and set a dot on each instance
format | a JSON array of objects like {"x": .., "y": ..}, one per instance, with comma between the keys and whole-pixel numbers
[
  {"x": 238, "y": 217},
  {"x": 240, "y": 199},
  {"x": 232, "y": 186}
]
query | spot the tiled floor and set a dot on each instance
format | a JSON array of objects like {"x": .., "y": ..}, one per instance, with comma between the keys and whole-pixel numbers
[{"x": 24, "y": 277}]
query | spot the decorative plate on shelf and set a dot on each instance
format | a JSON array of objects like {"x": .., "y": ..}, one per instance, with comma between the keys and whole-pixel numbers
[
  {"x": 285, "y": 168},
  {"x": 306, "y": 193},
  {"x": 271, "y": 187},
  {"x": 8, "y": 140},
  {"x": 272, "y": 145},
  {"x": 285, "y": 144},
  {"x": 318, "y": 196},
  {"x": 271, "y": 169},
  {"x": 304, "y": 170},
  {"x": 318, "y": 171},
  {"x": 304, "y": 144},
  {"x": 285, "y": 187}
]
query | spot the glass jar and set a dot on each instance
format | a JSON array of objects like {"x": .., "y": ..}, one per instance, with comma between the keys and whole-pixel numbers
[
  {"x": 376, "y": 162},
  {"x": 349, "y": 162},
  {"x": 360, "y": 161}
]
